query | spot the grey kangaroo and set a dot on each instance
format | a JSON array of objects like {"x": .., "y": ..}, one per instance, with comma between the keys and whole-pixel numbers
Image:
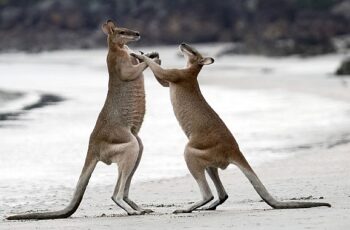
[
  {"x": 211, "y": 145},
  {"x": 115, "y": 136}
]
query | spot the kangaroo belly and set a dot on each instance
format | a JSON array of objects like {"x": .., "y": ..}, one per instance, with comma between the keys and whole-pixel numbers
[
  {"x": 132, "y": 107},
  {"x": 193, "y": 113},
  {"x": 125, "y": 105}
]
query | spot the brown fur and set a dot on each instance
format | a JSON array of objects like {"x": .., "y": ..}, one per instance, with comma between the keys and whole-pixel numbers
[
  {"x": 211, "y": 145},
  {"x": 115, "y": 136}
]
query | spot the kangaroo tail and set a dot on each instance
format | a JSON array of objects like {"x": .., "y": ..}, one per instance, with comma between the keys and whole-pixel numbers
[
  {"x": 89, "y": 166},
  {"x": 265, "y": 195}
]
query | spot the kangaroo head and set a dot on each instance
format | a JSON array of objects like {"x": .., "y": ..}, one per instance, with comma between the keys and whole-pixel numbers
[
  {"x": 118, "y": 35},
  {"x": 194, "y": 58}
]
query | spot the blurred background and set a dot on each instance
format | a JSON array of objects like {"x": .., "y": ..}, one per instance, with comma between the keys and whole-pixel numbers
[
  {"x": 271, "y": 27},
  {"x": 274, "y": 82}
]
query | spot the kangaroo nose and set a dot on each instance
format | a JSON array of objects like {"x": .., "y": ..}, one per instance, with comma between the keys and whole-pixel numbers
[{"x": 137, "y": 34}]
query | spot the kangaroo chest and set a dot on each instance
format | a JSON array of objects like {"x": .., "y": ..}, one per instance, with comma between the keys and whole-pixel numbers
[
  {"x": 127, "y": 103},
  {"x": 185, "y": 106}
]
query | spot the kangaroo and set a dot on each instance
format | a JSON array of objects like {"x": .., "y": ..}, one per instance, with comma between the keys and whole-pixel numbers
[
  {"x": 115, "y": 136},
  {"x": 211, "y": 145}
]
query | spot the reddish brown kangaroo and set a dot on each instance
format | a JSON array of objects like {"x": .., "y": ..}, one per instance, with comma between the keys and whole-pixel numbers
[
  {"x": 115, "y": 136},
  {"x": 211, "y": 145}
]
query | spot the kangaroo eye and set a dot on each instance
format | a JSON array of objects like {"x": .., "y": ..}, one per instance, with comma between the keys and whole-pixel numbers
[{"x": 122, "y": 32}]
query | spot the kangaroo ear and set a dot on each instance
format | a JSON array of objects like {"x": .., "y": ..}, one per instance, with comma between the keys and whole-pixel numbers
[
  {"x": 111, "y": 23},
  {"x": 107, "y": 27},
  {"x": 206, "y": 61}
]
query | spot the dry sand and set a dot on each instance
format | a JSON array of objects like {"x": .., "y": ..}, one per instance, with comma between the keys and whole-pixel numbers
[{"x": 319, "y": 174}]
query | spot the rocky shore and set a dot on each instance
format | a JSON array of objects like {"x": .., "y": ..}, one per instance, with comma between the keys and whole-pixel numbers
[{"x": 268, "y": 27}]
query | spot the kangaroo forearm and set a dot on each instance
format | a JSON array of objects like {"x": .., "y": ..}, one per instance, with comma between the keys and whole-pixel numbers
[
  {"x": 156, "y": 69},
  {"x": 162, "y": 75},
  {"x": 133, "y": 72},
  {"x": 163, "y": 82}
]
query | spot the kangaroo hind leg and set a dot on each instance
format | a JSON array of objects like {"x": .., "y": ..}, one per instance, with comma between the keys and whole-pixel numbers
[
  {"x": 126, "y": 164},
  {"x": 222, "y": 195},
  {"x": 128, "y": 182},
  {"x": 198, "y": 172}
]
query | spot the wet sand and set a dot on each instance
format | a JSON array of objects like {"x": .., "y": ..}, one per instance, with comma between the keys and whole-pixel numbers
[
  {"x": 317, "y": 174},
  {"x": 44, "y": 100}
]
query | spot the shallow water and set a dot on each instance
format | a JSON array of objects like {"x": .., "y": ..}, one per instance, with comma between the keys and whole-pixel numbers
[{"x": 45, "y": 148}]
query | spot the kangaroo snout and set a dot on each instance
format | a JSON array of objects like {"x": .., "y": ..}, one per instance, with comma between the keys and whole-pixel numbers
[
  {"x": 136, "y": 35},
  {"x": 182, "y": 45}
]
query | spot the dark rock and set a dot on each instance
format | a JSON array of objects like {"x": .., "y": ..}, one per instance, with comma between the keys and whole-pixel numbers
[
  {"x": 9, "y": 17},
  {"x": 344, "y": 68},
  {"x": 269, "y": 27}
]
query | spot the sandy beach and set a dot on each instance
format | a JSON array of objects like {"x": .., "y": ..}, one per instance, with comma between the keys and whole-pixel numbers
[
  {"x": 317, "y": 171},
  {"x": 289, "y": 178}
]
